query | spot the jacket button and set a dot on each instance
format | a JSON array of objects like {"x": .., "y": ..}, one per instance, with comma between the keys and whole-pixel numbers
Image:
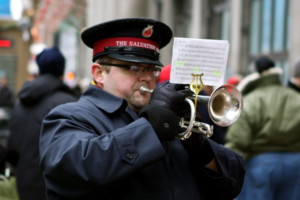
[
  {"x": 166, "y": 125},
  {"x": 129, "y": 155}
]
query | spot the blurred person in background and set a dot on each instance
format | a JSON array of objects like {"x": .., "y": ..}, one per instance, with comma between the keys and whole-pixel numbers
[
  {"x": 6, "y": 93},
  {"x": 36, "y": 98},
  {"x": 2, "y": 159},
  {"x": 294, "y": 81},
  {"x": 267, "y": 136},
  {"x": 84, "y": 83},
  {"x": 74, "y": 83},
  {"x": 118, "y": 142},
  {"x": 234, "y": 79},
  {"x": 164, "y": 74},
  {"x": 6, "y": 103}
]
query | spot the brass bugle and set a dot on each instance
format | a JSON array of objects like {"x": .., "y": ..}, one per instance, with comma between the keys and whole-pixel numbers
[{"x": 224, "y": 108}]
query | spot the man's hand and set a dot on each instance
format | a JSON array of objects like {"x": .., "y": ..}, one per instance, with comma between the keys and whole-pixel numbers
[
  {"x": 166, "y": 103},
  {"x": 171, "y": 96}
]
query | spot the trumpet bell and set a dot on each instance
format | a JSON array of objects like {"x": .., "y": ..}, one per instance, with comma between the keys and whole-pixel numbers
[{"x": 225, "y": 105}]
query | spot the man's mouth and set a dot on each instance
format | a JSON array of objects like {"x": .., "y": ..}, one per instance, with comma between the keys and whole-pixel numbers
[{"x": 145, "y": 90}]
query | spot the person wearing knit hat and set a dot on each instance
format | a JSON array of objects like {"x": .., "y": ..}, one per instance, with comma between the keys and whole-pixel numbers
[
  {"x": 270, "y": 116},
  {"x": 264, "y": 69},
  {"x": 51, "y": 61},
  {"x": 294, "y": 81},
  {"x": 35, "y": 99}
]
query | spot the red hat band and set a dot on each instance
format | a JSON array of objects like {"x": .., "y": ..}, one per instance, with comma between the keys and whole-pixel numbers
[{"x": 100, "y": 45}]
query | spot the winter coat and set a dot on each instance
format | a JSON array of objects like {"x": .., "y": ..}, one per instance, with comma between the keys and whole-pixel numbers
[
  {"x": 98, "y": 148},
  {"x": 270, "y": 120},
  {"x": 36, "y": 99}
]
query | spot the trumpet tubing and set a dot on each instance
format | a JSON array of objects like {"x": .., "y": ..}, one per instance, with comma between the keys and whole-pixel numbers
[{"x": 224, "y": 108}]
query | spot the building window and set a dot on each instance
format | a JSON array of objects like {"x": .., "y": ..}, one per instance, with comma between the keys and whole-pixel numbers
[
  {"x": 219, "y": 20},
  {"x": 268, "y": 28},
  {"x": 255, "y": 27},
  {"x": 280, "y": 25},
  {"x": 225, "y": 30},
  {"x": 269, "y": 22}
]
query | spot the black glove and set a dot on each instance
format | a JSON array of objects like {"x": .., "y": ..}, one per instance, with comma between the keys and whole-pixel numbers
[
  {"x": 198, "y": 148},
  {"x": 164, "y": 122},
  {"x": 166, "y": 103},
  {"x": 171, "y": 96}
]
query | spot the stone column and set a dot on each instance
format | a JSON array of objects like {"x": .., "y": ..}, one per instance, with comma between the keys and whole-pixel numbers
[
  {"x": 168, "y": 18},
  {"x": 196, "y": 19},
  {"x": 294, "y": 50},
  {"x": 235, "y": 39}
]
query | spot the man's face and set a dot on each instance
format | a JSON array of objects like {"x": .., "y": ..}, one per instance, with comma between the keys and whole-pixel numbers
[{"x": 126, "y": 83}]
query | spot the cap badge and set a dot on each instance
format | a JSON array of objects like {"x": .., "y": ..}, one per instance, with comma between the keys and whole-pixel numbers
[{"x": 148, "y": 31}]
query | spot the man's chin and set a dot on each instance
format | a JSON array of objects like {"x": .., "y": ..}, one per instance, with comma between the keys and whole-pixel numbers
[
  {"x": 137, "y": 101},
  {"x": 141, "y": 103},
  {"x": 137, "y": 105}
]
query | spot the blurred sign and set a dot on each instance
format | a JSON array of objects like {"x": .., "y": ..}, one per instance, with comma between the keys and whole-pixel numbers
[
  {"x": 5, "y": 9},
  {"x": 5, "y": 43}
]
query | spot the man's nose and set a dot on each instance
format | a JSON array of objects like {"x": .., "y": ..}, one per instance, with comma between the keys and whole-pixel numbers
[{"x": 146, "y": 76}]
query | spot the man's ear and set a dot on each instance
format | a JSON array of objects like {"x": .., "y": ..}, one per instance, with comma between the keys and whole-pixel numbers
[{"x": 97, "y": 72}]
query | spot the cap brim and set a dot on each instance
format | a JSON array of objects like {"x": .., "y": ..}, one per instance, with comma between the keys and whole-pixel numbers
[{"x": 135, "y": 59}]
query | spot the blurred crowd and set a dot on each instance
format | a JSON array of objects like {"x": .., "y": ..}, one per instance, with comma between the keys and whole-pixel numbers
[{"x": 266, "y": 135}]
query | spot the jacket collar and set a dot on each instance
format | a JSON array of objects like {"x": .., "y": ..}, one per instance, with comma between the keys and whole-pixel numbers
[
  {"x": 256, "y": 80},
  {"x": 106, "y": 101}
]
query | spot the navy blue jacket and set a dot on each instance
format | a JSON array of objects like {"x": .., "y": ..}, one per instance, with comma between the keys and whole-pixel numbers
[{"x": 98, "y": 148}]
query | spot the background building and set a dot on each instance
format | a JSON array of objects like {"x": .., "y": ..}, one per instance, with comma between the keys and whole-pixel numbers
[{"x": 252, "y": 27}]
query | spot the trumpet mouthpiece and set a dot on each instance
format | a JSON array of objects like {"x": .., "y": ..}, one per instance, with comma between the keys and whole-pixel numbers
[{"x": 145, "y": 89}]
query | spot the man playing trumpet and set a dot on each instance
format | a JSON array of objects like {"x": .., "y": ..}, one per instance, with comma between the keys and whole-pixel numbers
[{"x": 117, "y": 142}]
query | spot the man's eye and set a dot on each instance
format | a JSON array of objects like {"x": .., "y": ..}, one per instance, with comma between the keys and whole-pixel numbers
[{"x": 133, "y": 68}]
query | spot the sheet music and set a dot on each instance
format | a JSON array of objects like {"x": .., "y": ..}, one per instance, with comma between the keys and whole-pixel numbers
[{"x": 199, "y": 56}]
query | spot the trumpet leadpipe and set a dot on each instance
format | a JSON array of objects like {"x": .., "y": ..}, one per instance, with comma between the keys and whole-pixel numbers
[
  {"x": 145, "y": 89},
  {"x": 200, "y": 98}
]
